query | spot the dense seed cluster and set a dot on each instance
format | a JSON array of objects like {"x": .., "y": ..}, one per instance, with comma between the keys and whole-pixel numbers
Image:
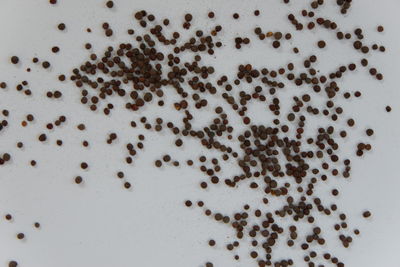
[{"x": 284, "y": 159}]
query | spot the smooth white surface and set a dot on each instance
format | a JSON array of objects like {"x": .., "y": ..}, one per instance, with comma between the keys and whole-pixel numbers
[{"x": 101, "y": 224}]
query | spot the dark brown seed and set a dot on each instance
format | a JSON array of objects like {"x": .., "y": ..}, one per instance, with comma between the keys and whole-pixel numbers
[
  {"x": 188, "y": 203},
  {"x": 350, "y": 122},
  {"x": 81, "y": 126},
  {"x": 127, "y": 185},
  {"x": 321, "y": 44},
  {"x": 380, "y": 28},
  {"x": 158, "y": 163},
  {"x": 8, "y": 217},
  {"x": 84, "y": 165},
  {"x": 276, "y": 44},
  {"x": 188, "y": 17},
  {"x": 14, "y": 60},
  {"x": 14, "y": 263},
  {"x": 53, "y": 2},
  {"x": 388, "y": 109},
  {"x": 20, "y": 236},
  {"x": 61, "y": 26},
  {"x": 369, "y": 132},
  {"x": 78, "y": 179},
  {"x": 211, "y": 243},
  {"x": 42, "y": 137},
  {"x": 110, "y": 4},
  {"x": 366, "y": 214},
  {"x": 46, "y": 64},
  {"x": 36, "y": 224},
  {"x": 55, "y": 49}
]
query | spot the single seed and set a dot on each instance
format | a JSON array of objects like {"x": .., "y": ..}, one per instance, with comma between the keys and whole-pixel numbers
[
  {"x": 14, "y": 60},
  {"x": 321, "y": 44},
  {"x": 110, "y": 4}
]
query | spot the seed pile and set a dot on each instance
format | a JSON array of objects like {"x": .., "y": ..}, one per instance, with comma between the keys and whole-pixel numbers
[{"x": 285, "y": 159}]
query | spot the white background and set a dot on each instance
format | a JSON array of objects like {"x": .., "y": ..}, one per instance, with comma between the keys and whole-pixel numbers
[{"x": 99, "y": 223}]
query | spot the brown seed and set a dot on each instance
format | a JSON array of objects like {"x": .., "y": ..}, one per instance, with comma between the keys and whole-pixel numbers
[
  {"x": 369, "y": 132},
  {"x": 188, "y": 17},
  {"x": 81, "y": 126},
  {"x": 55, "y": 49},
  {"x": 46, "y": 64},
  {"x": 20, "y": 236},
  {"x": 8, "y": 217},
  {"x": 366, "y": 214},
  {"x": 350, "y": 122},
  {"x": 14, "y": 263},
  {"x": 78, "y": 179},
  {"x": 61, "y": 26},
  {"x": 14, "y": 60},
  {"x": 388, "y": 109},
  {"x": 321, "y": 44},
  {"x": 36, "y": 224},
  {"x": 211, "y": 242},
  {"x": 84, "y": 165},
  {"x": 42, "y": 137},
  {"x": 380, "y": 28},
  {"x": 127, "y": 185},
  {"x": 110, "y": 4},
  {"x": 188, "y": 203}
]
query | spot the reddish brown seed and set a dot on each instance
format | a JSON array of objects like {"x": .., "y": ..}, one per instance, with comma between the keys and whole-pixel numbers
[
  {"x": 380, "y": 28},
  {"x": 53, "y": 2},
  {"x": 8, "y": 217}
]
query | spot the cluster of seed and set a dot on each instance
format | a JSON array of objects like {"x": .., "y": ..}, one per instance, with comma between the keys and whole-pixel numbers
[{"x": 278, "y": 158}]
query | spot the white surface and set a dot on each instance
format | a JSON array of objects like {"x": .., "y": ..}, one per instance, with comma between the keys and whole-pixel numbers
[{"x": 101, "y": 224}]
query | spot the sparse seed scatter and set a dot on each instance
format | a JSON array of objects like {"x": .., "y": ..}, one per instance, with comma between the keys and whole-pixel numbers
[{"x": 277, "y": 130}]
